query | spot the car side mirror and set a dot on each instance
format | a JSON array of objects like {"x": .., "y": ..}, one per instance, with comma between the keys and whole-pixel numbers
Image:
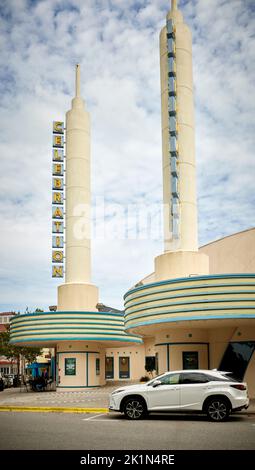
[{"x": 156, "y": 383}]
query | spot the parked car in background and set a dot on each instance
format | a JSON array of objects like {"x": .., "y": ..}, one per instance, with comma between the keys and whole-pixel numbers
[
  {"x": 16, "y": 381},
  {"x": 8, "y": 380},
  {"x": 214, "y": 393},
  {"x": 5, "y": 381},
  {"x": 11, "y": 377}
]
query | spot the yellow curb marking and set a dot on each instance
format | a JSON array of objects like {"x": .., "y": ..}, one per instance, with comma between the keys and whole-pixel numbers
[{"x": 53, "y": 410}]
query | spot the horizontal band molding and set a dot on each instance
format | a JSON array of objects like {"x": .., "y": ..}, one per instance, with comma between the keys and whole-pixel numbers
[
  {"x": 85, "y": 327},
  {"x": 190, "y": 279},
  {"x": 168, "y": 312},
  {"x": 193, "y": 302},
  {"x": 70, "y": 321},
  {"x": 209, "y": 295},
  {"x": 32, "y": 333},
  {"x": 192, "y": 294},
  {"x": 202, "y": 316},
  {"x": 128, "y": 339},
  {"x": 63, "y": 333},
  {"x": 76, "y": 312},
  {"x": 192, "y": 318},
  {"x": 71, "y": 325}
]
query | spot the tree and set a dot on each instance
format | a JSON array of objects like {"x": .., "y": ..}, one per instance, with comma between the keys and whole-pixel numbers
[
  {"x": 150, "y": 364},
  {"x": 12, "y": 352}
]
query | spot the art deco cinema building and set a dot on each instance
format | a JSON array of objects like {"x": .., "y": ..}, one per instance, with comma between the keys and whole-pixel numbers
[{"x": 197, "y": 309}]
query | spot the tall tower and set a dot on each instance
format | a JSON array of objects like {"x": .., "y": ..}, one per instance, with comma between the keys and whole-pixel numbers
[
  {"x": 181, "y": 256},
  {"x": 77, "y": 293}
]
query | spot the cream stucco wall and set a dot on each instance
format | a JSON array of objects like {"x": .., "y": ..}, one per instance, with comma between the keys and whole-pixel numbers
[
  {"x": 170, "y": 344},
  {"x": 180, "y": 264},
  {"x": 232, "y": 254},
  {"x": 85, "y": 355},
  {"x": 136, "y": 357}
]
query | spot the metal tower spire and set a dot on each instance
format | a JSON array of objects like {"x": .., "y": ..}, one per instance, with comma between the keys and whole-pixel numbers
[{"x": 78, "y": 82}]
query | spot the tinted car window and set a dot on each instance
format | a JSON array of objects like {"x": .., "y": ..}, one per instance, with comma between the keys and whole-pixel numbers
[
  {"x": 213, "y": 378},
  {"x": 171, "y": 379},
  {"x": 222, "y": 378},
  {"x": 193, "y": 378}
]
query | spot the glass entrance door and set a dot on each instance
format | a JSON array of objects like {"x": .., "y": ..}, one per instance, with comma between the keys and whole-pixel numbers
[
  {"x": 109, "y": 368},
  {"x": 124, "y": 369},
  {"x": 190, "y": 360}
]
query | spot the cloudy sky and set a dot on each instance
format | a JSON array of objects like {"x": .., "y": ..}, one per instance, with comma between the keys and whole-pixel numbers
[{"x": 116, "y": 43}]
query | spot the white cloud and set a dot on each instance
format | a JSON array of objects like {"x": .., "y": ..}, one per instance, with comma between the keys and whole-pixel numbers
[{"x": 116, "y": 43}]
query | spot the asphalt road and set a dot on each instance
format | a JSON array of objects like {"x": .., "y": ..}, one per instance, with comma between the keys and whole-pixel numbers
[{"x": 57, "y": 431}]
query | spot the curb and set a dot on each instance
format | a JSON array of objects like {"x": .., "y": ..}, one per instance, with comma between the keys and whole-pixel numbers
[
  {"x": 48, "y": 409},
  {"x": 58, "y": 409}
]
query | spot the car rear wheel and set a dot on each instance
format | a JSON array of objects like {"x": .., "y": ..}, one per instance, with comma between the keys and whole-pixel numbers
[
  {"x": 134, "y": 408},
  {"x": 217, "y": 409}
]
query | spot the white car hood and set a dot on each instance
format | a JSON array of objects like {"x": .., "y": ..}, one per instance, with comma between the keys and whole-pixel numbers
[{"x": 127, "y": 388}]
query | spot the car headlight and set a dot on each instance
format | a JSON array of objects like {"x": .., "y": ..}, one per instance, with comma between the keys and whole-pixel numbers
[{"x": 118, "y": 391}]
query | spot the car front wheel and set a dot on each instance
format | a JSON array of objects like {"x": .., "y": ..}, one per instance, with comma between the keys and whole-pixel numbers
[
  {"x": 218, "y": 409},
  {"x": 134, "y": 408}
]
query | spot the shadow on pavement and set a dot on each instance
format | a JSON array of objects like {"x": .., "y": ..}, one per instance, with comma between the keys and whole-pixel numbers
[{"x": 172, "y": 417}]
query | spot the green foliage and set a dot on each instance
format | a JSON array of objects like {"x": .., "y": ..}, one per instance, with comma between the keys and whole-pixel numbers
[
  {"x": 145, "y": 378},
  {"x": 150, "y": 364},
  {"x": 37, "y": 310},
  {"x": 11, "y": 351}
]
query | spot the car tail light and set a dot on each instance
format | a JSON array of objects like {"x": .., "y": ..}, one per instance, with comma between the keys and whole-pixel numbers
[{"x": 239, "y": 386}]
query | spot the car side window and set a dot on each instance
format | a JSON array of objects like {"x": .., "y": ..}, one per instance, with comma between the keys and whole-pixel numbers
[
  {"x": 213, "y": 378},
  {"x": 193, "y": 378},
  {"x": 171, "y": 379}
]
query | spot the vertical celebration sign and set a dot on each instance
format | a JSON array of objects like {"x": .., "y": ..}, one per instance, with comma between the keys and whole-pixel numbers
[{"x": 58, "y": 199}]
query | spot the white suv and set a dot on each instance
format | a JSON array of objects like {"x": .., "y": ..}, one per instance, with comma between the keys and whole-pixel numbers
[{"x": 211, "y": 392}]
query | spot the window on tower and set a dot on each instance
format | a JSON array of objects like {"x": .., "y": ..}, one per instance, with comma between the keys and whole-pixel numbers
[
  {"x": 171, "y": 67},
  {"x": 174, "y": 186},
  {"x": 173, "y": 146},
  {"x": 173, "y": 128},
  {"x": 172, "y": 106},
  {"x": 170, "y": 29},
  {"x": 171, "y": 47},
  {"x": 175, "y": 207},
  {"x": 171, "y": 86},
  {"x": 173, "y": 163}
]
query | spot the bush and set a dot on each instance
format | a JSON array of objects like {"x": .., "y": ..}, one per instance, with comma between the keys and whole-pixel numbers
[{"x": 144, "y": 379}]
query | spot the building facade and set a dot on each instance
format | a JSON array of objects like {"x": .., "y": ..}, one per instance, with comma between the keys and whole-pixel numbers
[
  {"x": 7, "y": 366},
  {"x": 197, "y": 309}
]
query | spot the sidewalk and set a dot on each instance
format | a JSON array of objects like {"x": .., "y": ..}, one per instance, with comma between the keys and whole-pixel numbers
[
  {"x": 92, "y": 400},
  {"x": 88, "y": 401}
]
